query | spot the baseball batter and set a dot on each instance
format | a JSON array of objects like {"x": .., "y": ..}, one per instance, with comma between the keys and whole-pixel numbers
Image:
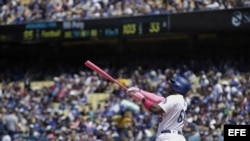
[{"x": 171, "y": 109}]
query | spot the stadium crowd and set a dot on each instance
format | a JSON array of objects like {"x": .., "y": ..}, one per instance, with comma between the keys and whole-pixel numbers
[
  {"x": 23, "y": 11},
  {"x": 61, "y": 111}
]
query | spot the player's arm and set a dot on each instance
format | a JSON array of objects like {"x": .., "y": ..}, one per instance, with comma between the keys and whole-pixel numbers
[
  {"x": 150, "y": 96},
  {"x": 152, "y": 107}
]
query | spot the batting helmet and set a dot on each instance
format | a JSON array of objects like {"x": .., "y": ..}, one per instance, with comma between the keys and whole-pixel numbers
[{"x": 180, "y": 84}]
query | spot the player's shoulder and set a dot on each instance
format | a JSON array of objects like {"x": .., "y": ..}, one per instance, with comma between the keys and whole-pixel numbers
[{"x": 175, "y": 96}]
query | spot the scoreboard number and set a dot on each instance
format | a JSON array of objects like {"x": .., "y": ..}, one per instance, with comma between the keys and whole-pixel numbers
[
  {"x": 154, "y": 27},
  {"x": 28, "y": 35},
  {"x": 129, "y": 29}
]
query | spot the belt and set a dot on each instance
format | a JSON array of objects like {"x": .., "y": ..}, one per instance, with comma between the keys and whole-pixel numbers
[{"x": 172, "y": 131}]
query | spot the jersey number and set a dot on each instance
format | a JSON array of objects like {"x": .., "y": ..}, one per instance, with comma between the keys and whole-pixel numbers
[{"x": 181, "y": 116}]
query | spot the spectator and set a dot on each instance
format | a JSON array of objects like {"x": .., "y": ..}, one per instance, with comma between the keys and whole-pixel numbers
[
  {"x": 215, "y": 137},
  {"x": 16, "y": 12},
  {"x": 38, "y": 116},
  {"x": 10, "y": 122},
  {"x": 6, "y": 137}
]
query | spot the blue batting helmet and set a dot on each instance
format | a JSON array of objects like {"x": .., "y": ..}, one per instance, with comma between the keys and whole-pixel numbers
[{"x": 180, "y": 84}]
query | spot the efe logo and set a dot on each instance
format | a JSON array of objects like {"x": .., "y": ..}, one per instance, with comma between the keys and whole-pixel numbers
[{"x": 236, "y": 131}]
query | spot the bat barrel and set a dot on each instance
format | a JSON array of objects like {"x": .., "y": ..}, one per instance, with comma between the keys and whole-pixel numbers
[{"x": 103, "y": 73}]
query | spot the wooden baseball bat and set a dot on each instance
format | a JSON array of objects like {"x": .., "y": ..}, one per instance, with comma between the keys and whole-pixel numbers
[{"x": 103, "y": 73}]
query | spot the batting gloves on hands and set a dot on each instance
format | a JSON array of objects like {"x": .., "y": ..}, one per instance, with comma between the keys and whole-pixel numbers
[{"x": 134, "y": 92}]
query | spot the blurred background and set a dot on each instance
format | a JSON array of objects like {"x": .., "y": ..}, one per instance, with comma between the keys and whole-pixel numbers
[{"x": 48, "y": 94}]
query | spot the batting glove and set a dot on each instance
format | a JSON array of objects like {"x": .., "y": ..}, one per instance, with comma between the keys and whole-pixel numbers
[
  {"x": 137, "y": 96},
  {"x": 133, "y": 90}
]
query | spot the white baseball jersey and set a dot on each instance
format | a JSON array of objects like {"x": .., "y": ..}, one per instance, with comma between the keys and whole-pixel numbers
[{"x": 173, "y": 118}]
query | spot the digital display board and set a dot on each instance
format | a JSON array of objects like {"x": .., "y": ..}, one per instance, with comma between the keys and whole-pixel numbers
[
  {"x": 189, "y": 22},
  {"x": 94, "y": 28}
]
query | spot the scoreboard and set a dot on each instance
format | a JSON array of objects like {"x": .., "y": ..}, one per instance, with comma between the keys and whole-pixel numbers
[
  {"x": 230, "y": 20},
  {"x": 81, "y": 29}
]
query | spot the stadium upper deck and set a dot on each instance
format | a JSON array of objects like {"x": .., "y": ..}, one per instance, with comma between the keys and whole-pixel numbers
[{"x": 23, "y": 11}]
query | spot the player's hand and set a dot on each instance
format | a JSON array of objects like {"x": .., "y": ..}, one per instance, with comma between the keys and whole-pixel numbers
[
  {"x": 133, "y": 90},
  {"x": 137, "y": 96}
]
